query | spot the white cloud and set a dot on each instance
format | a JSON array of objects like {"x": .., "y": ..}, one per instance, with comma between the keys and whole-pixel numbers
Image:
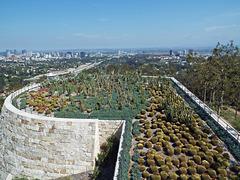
[{"x": 213, "y": 28}]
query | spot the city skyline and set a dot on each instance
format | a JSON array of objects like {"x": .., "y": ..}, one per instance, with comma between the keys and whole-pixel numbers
[{"x": 41, "y": 25}]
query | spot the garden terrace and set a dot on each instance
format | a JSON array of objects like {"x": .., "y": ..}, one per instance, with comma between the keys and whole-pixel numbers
[
  {"x": 171, "y": 141},
  {"x": 87, "y": 96}
]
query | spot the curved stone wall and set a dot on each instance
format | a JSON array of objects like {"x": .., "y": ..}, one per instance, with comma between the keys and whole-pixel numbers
[{"x": 46, "y": 147}]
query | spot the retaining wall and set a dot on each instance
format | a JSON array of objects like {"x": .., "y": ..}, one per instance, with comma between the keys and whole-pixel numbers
[{"x": 46, "y": 147}]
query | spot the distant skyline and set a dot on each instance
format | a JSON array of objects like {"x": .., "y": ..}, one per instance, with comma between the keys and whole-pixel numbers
[{"x": 85, "y": 24}]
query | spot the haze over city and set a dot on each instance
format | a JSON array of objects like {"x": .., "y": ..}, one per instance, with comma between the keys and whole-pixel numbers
[{"x": 62, "y": 24}]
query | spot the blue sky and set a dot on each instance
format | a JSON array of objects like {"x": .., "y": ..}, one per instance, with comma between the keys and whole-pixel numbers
[{"x": 65, "y": 24}]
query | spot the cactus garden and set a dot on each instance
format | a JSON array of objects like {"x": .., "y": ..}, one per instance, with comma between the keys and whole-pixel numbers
[{"x": 170, "y": 141}]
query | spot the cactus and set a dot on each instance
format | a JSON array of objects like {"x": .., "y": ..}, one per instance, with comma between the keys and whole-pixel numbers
[
  {"x": 222, "y": 171},
  {"x": 177, "y": 150},
  {"x": 170, "y": 165},
  {"x": 170, "y": 151},
  {"x": 192, "y": 152},
  {"x": 141, "y": 167},
  {"x": 157, "y": 156},
  {"x": 183, "y": 170},
  {"x": 154, "y": 140},
  {"x": 192, "y": 170},
  {"x": 212, "y": 173},
  {"x": 219, "y": 149},
  {"x": 146, "y": 174},
  {"x": 164, "y": 168},
  {"x": 155, "y": 176},
  {"x": 183, "y": 158},
  {"x": 205, "y": 163},
  {"x": 140, "y": 146},
  {"x": 183, "y": 177},
  {"x": 148, "y": 144},
  {"x": 160, "y": 162},
  {"x": 209, "y": 159},
  {"x": 153, "y": 168},
  {"x": 173, "y": 176},
  {"x": 206, "y": 176},
  {"x": 158, "y": 147},
  {"x": 191, "y": 163},
  {"x": 184, "y": 164},
  {"x": 176, "y": 162},
  {"x": 197, "y": 159},
  {"x": 201, "y": 169},
  {"x": 196, "y": 177},
  {"x": 150, "y": 162},
  {"x": 201, "y": 154},
  {"x": 164, "y": 175},
  {"x": 140, "y": 160},
  {"x": 233, "y": 177},
  {"x": 143, "y": 153}
]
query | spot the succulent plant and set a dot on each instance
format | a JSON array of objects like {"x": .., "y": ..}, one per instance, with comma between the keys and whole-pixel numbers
[
  {"x": 209, "y": 159},
  {"x": 140, "y": 160},
  {"x": 177, "y": 150},
  {"x": 222, "y": 177},
  {"x": 154, "y": 140},
  {"x": 192, "y": 170},
  {"x": 184, "y": 164},
  {"x": 183, "y": 177},
  {"x": 197, "y": 159},
  {"x": 219, "y": 149},
  {"x": 146, "y": 174},
  {"x": 215, "y": 165},
  {"x": 176, "y": 162},
  {"x": 233, "y": 177},
  {"x": 192, "y": 152},
  {"x": 206, "y": 176},
  {"x": 164, "y": 175},
  {"x": 140, "y": 146},
  {"x": 155, "y": 176},
  {"x": 158, "y": 147},
  {"x": 214, "y": 142},
  {"x": 183, "y": 158},
  {"x": 201, "y": 169},
  {"x": 183, "y": 170},
  {"x": 143, "y": 153},
  {"x": 170, "y": 165},
  {"x": 170, "y": 151},
  {"x": 226, "y": 156},
  {"x": 191, "y": 163},
  {"x": 235, "y": 168},
  {"x": 150, "y": 155},
  {"x": 196, "y": 177},
  {"x": 148, "y": 144},
  {"x": 150, "y": 161},
  {"x": 212, "y": 173},
  {"x": 160, "y": 162},
  {"x": 222, "y": 171},
  {"x": 173, "y": 176},
  {"x": 153, "y": 168},
  {"x": 206, "y": 163},
  {"x": 141, "y": 167},
  {"x": 164, "y": 168}
]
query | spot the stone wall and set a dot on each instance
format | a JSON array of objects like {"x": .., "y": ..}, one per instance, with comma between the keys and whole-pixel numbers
[{"x": 46, "y": 147}]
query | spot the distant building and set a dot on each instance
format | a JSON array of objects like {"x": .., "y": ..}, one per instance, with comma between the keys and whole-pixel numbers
[
  {"x": 82, "y": 54},
  {"x": 190, "y": 51},
  {"x": 15, "y": 52},
  {"x": 171, "y": 52},
  {"x": 184, "y": 52},
  {"x": 24, "y": 51}
]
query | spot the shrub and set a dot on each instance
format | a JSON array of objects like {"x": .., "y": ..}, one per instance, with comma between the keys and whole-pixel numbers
[
  {"x": 226, "y": 156},
  {"x": 143, "y": 111},
  {"x": 164, "y": 168},
  {"x": 157, "y": 156},
  {"x": 225, "y": 164},
  {"x": 201, "y": 154},
  {"x": 150, "y": 155},
  {"x": 206, "y": 176},
  {"x": 164, "y": 175},
  {"x": 184, "y": 164},
  {"x": 192, "y": 170},
  {"x": 167, "y": 138},
  {"x": 214, "y": 142},
  {"x": 173, "y": 176},
  {"x": 212, "y": 173},
  {"x": 141, "y": 167},
  {"x": 168, "y": 159},
  {"x": 149, "y": 134},
  {"x": 146, "y": 174},
  {"x": 235, "y": 168},
  {"x": 204, "y": 148},
  {"x": 222, "y": 177}
]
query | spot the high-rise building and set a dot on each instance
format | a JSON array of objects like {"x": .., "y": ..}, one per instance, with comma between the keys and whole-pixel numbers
[
  {"x": 15, "y": 52},
  {"x": 184, "y": 52},
  {"x": 82, "y": 54},
  {"x": 190, "y": 51},
  {"x": 24, "y": 51},
  {"x": 171, "y": 52}
]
